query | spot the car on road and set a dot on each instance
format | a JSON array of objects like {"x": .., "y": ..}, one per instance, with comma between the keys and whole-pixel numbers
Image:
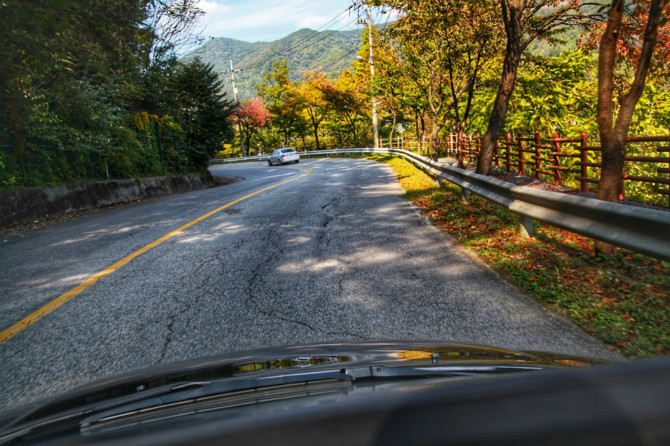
[{"x": 283, "y": 156}]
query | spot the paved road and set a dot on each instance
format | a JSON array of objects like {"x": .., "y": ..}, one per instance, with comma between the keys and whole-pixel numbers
[{"x": 336, "y": 255}]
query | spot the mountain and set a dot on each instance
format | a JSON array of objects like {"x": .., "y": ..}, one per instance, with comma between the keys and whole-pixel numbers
[{"x": 305, "y": 49}]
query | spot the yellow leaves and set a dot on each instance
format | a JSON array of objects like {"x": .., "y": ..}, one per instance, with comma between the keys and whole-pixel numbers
[{"x": 142, "y": 120}]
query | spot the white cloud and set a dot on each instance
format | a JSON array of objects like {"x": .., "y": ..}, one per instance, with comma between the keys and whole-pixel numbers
[{"x": 313, "y": 21}]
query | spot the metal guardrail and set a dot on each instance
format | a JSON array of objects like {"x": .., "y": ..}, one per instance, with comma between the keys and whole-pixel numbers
[
  {"x": 302, "y": 154},
  {"x": 639, "y": 229}
]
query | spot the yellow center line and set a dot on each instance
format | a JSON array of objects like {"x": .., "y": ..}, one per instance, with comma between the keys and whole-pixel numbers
[{"x": 51, "y": 306}]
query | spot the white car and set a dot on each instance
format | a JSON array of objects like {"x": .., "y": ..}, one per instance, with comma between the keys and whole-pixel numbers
[{"x": 283, "y": 156}]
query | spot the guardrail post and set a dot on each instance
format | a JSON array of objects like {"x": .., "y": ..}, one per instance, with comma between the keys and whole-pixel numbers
[
  {"x": 526, "y": 227},
  {"x": 465, "y": 195}
]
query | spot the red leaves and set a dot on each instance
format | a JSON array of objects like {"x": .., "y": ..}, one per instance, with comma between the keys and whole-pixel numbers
[{"x": 251, "y": 113}]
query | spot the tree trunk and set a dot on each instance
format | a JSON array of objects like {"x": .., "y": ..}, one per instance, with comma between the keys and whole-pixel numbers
[
  {"x": 611, "y": 181},
  {"x": 394, "y": 114},
  {"x": 613, "y": 139},
  {"x": 460, "y": 148},
  {"x": 513, "y": 30},
  {"x": 316, "y": 137},
  {"x": 433, "y": 141}
]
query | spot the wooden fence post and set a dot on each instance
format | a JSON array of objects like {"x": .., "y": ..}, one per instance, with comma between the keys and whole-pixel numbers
[
  {"x": 557, "y": 160},
  {"x": 471, "y": 156},
  {"x": 478, "y": 145},
  {"x": 508, "y": 154},
  {"x": 538, "y": 155},
  {"x": 585, "y": 159},
  {"x": 522, "y": 163}
]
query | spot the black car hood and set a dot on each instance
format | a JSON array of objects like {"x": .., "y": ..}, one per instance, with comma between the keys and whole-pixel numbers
[{"x": 287, "y": 360}]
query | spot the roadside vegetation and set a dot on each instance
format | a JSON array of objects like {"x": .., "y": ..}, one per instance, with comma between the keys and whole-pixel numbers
[
  {"x": 623, "y": 300},
  {"x": 95, "y": 90}
]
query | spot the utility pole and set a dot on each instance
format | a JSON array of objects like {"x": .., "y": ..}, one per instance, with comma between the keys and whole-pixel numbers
[
  {"x": 232, "y": 78},
  {"x": 372, "y": 79},
  {"x": 371, "y": 61}
]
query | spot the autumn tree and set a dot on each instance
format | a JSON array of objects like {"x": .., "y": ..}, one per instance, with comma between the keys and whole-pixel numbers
[
  {"x": 394, "y": 92},
  {"x": 443, "y": 47},
  {"x": 312, "y": 93},
  {"x": 283, "y": 102},
  {"x": 250, "y": 116},
  {"x": 614, "y": 130},
  {"x": 347, "y": 103}
]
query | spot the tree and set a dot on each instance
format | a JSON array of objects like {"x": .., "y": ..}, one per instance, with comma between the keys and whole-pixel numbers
[
  {"x": 443, "y": 47},
  {"x": 391, "y": 87},
  {"x": 283, "y": 102},
  {"x": 250, "y": 116},
  {"x": 87, "y": 89},
  {"x": 172, "y": 23},
  {"x": 347, "y": 103},
  {"x": 201, "y": 110},
  {"x": 312, "y": 93},
  {"x": 613, "y": 133},
  {"x": 554, "y": 94},
  {"x": 524, "y": 21},
  {"x": 68, "y": 71}
]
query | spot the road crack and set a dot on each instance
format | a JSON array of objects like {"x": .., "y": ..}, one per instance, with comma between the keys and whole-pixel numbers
[{"x": 257, "y": 281}]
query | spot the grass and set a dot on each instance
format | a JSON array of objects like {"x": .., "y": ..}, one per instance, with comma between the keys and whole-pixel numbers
[{"x": 623, "y": 300}]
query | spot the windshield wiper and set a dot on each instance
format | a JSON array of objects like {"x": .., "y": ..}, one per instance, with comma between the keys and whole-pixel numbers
[
  {"x": 180, "y": 395},
  {"x": 233, "y": 387}
]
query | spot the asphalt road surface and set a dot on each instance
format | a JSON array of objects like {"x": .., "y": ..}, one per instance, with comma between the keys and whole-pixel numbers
[{"x": 335, "y": 255}]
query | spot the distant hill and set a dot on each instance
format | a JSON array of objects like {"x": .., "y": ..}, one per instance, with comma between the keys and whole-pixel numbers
[{"x": 305, "y": 49}]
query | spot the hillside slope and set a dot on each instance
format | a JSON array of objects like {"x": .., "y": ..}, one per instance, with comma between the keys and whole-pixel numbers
[{"x": 331, "y": 51}]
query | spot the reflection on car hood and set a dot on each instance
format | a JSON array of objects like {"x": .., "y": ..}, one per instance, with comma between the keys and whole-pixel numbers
[{"x": 267, "y": 363}]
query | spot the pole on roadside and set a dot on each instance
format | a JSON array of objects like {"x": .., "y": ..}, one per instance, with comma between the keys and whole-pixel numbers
[
  {"x": 239, "y": 126},
  {"x": 372, "y": 78}
]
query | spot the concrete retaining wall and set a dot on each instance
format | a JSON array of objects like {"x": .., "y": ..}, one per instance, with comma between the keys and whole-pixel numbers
[{"x": 34, "y": 203}]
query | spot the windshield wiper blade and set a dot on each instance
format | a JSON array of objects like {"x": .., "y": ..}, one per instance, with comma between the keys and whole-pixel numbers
[
  {"x": 383, "y": 372},
  {"x": 33, "y": 421},
  {"x": 184, "y": 393},
  {"x": 230, "y": 386}
]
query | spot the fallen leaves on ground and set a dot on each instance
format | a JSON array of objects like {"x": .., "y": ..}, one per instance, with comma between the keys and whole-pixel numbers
[{"x": 624, "y": 300}]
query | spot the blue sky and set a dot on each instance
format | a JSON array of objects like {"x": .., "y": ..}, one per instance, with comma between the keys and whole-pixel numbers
[{"x": 267, "y": 20}]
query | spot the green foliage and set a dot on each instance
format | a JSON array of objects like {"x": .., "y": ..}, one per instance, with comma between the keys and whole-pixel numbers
[
  {"x": 555, "y": 94},
  {"x": 75, "y": 76}
]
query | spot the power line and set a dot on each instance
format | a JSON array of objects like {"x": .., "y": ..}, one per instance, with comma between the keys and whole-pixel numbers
[
  {"x": 302, "y": 43},
  {"x": 265, "y": 60},
  {"x": 340, "y": 59},
  {"x": 317, "y": 32}
]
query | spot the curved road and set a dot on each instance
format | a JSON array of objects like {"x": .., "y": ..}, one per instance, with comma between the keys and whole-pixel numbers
[{"x": 336, "y": 255}]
